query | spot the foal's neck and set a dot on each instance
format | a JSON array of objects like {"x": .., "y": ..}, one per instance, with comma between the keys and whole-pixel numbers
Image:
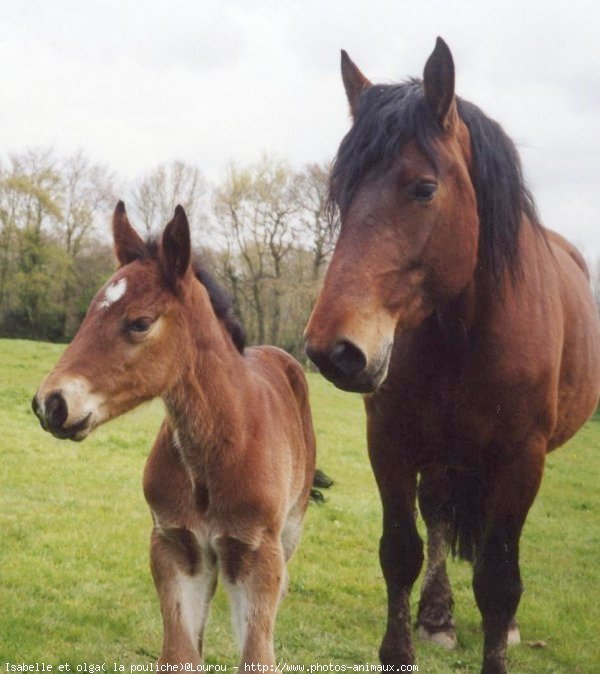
[{"x": 204, "y": 406}]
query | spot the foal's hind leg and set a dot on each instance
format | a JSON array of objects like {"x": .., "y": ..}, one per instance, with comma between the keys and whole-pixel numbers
[
  {"x": 185, "y": 579},
  {"x": 434, "y": 619},
  {"x": 290, "y": 537}
]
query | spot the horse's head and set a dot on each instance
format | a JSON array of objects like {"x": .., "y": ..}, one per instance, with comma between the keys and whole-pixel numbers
[
  {"x": 409, "y": 228},
  {"x": 129, "y": 347}
]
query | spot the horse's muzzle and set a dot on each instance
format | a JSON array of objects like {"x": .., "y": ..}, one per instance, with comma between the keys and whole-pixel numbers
[{"x": 346, "y": 366}]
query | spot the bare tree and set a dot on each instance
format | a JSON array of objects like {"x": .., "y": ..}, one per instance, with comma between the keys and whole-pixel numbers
[
  {"x": 87, "y": 190},
  {"x": 159, "y": 191},
  {"x": 313, "y": 188},
  {"x": 255, "y": 208}
]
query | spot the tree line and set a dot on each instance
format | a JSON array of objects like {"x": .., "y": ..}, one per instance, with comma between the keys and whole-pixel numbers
[{"x": 263, "y": 230}]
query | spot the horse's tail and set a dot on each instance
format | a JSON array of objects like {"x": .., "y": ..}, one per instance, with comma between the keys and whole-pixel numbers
[
  {"x": 320, "y": 481},
  {"x": 468, "y": 512}
]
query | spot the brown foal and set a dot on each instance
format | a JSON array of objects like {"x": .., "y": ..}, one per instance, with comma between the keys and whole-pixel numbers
[
  {"x": 229, "y": 477},
  {"x": 470, "y": 328}
]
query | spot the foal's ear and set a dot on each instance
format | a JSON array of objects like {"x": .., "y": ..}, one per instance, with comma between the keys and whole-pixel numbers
[
  {"x": 176, "y": 246},
  {"x": 354, "y": 82},
  {"x": 128, "y": 243},
  {"x": 438, "y": 82}
]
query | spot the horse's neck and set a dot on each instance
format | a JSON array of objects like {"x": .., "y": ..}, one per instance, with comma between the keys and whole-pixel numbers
[
  {"x": 205, "y": 407},
  {"x": 483, "y": 301}
]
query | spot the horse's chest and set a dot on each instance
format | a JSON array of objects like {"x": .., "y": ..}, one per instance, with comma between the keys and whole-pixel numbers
[{"x": 437, "y": 408}]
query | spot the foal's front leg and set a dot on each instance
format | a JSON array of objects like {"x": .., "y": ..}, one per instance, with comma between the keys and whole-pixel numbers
[
  {"x": 254, "y": 576},
  {"x": 185, "y": 579}
]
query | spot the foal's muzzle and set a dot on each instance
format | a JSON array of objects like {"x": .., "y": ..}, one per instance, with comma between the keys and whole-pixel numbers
[
  {"x": 53, "y": 414},
  {"x": 347, "y": 367}
]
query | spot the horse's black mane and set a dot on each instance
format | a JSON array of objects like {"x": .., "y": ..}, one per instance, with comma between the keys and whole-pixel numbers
[
  {"x": 391, "y": 115},
  {"x": 220, "y": 300}
]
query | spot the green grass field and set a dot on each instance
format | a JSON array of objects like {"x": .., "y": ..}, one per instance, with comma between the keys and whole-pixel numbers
[{"x": 75, "y": 585}]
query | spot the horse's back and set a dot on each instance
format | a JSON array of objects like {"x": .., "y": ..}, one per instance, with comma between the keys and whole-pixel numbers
[
  {"x": 557, "y": 240},
  {"x": 579, "y": 367}
]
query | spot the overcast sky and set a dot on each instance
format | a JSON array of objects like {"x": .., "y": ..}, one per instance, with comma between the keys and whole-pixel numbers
[{"x": 136, "y": 83}]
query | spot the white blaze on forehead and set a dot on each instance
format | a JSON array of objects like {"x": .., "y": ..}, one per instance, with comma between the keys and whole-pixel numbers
[{"x": 113, "y": 293}]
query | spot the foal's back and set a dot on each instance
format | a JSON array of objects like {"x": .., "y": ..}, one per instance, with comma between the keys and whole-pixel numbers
[{"x": 285, "y": 412}]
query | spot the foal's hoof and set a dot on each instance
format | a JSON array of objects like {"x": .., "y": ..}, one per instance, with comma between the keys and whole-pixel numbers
[
  {"x": 446, "y": 638},
  {"x": 514, "y": 636}
]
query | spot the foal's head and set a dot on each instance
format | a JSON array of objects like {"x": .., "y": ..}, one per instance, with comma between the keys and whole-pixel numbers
[
  {"x": 136, "y": 338},
  {"x": 427, "y": 189}
]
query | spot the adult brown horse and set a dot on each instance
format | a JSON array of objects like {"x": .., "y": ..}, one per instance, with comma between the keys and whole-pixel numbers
[
  {"x": 229, "y": 476},
  {"x": 470, "y": 328}
]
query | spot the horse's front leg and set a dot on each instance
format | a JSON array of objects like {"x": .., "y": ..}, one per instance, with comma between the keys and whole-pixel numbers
[
  {"x": 401, "y": 548},
  {"x": 434, "y": 619},
  {"x": 185, "y": 579},
  {"x": 254, "y": 578},
  {"x": 496, "y": 577}
]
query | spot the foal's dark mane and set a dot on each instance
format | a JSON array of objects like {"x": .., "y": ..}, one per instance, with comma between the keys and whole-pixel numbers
[
  {"x": 220, "y": 300},
  {"x": 222, "y": 305},
  {"x": 389, "y": 116}
]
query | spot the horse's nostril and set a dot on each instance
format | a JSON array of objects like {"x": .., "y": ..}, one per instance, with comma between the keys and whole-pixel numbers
[
  {"x": 348, "y": 358},
  {"x": 344, "y": 360},
  {"x": 56, "y": 410}
]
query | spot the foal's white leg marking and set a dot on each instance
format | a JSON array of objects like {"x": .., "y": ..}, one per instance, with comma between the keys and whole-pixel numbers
[
  {"x": 194, "y": 595},
  {"x": 239, "y": 611},
  {"x": 113, "y": 293}
]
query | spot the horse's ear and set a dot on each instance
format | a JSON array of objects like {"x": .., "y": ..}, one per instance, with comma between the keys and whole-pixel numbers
[
  {"x": 176, "y": 246},
  {"x": 438, "y": 82},
  {"x": 354, "y": 82},
  {"x": 128, "y": 243}
]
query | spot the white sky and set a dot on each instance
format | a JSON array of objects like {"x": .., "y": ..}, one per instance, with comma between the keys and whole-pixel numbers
[{"x": 138, "y": 82}]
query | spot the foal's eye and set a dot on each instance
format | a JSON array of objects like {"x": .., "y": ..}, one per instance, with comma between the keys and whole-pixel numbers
[
  {"x": 140, "y": 325},
  {"x": 424, "y": 190}
]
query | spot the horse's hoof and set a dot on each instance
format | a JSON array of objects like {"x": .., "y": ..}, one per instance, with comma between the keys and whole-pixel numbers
[
  {"x": 514, "y": 636},
  {"x": 446, "y": 638}
]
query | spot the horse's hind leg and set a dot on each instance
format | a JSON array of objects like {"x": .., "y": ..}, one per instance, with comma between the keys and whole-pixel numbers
[
  {"x": 434, "y": 619},
  {"x": 185, "y": 579},
  {"x": 514, "y": 634}
]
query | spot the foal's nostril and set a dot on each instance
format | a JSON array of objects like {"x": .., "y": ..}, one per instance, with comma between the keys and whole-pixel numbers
[
  {"x": 56, "y": 410},
  {"x": 35, "y": 406},
  {"x": 344, "y": 360},
  {"x": 348, "y": 358}
]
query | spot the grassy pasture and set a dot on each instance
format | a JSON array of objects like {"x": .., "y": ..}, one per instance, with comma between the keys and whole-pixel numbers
[{"x": 75, "y": 585}]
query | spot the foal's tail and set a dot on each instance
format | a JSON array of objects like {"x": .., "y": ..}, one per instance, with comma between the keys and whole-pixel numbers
[{"x": 320, "y": 481}]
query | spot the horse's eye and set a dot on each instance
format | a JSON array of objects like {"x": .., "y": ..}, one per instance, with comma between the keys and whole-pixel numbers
[
  {"x": 424, "y": 191},
  {"x": 140, "y": 325}
]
